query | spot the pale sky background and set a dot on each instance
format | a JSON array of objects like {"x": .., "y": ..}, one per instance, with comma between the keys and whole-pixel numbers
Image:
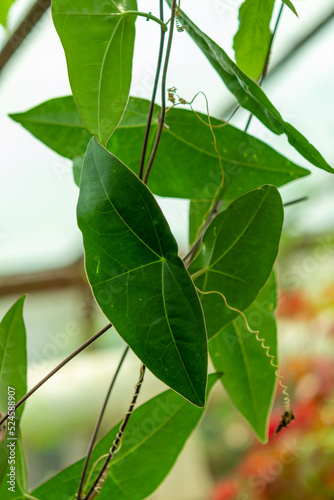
[{"x": 37, "y": 194}]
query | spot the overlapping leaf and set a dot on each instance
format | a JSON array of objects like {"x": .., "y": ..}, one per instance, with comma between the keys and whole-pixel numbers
[
  {"x": 163, "y": 424},
  {"x": 291, "y": 6},
  {"x": 252, "y": 39},
  {"x": 21, "y": 476},
  {"x": 57, "y": 123},
  {"x": 250, "y": 96},
  {"x": 13, "y": 374},
  {"x": 137, "y": 278},
  {"x": 187, "y": 164},
  {"x": 98, "y": 40},
  {"x": 249, "y": 378},
  {"x": 237, "y": 255}
]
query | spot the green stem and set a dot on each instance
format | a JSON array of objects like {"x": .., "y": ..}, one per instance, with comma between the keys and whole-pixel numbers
[{"x": 148, "y": 16}]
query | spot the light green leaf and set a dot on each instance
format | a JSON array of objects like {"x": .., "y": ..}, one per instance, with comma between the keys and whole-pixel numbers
[
  {"x": 163, "y": 424},
  {"x": 198, "y": 212},
  {"x": 252, "y": 40},
  {"x": 137, "y": 278},
  {"x": 250, "y": 96},
  {"x": 291, "y": 6},
  {"x": 4, "y": 9},
  {"x": 77, "y": 168},
  {"x": 249, "y": 378},
  {"x": 184, "y": 149},
  {"x": 13, "y": 375},
  {"x": 237, "y": 255},
  {"x": 57, "y": 124},
  {"x": 98, "y": 40},
  {"x": 21, "y": 475}
]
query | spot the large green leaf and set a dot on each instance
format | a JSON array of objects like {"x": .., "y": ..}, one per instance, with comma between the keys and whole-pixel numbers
[
  {"x": 137, "y": 278},
  {"x": 186, "y": 149},
  {"x": 237, "y": 255},
  {"x": 4, "y": 8},
  {"x": 57, "y": 123},
  {"x": 154, "y": 437},
  {"x": 252, "y": 39},
  {"x": 250, "y": 96},
  {"x": 13, "y": 375},
  {"x": 98, "y": 40},
  {"x": 249, "y": 377}
]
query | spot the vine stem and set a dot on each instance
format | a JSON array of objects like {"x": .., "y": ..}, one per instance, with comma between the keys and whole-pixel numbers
[
  {"x": 99, "y": 421},
  {"x": 56, "y": 369},
  {"x": 163, "y": 96},
  {"x": 118, "y": 439},
  {"x": 154, "y": 92}
]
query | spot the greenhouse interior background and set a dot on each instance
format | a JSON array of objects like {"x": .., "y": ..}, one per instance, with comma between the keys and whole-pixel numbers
[{"x": 41, "y": 253}]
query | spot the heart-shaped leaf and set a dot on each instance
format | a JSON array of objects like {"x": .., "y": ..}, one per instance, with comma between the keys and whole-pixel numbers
[
  {"x": 249, "y": 95},
  {"x": 98, "y": 40},
  {"x": 164, "y": 423},
  {"x": 237, "y": 255},
  {"x": 249, "y": 378},
  {"x": 137, "y": 278}
]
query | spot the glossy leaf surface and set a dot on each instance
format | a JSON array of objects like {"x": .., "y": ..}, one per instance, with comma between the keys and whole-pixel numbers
[
  {"x": 164, "y": 423},
  {"x": 98, "y": 40},
  {"x": 186, "y": 147},
  {"x": 237, "y": 255},
  {"x": 13, "y": 374},
  {"x": 137, "y": 278},
  {"x": 249, "y": 378},
  {"x": 252, "y": 39},
  {"x": 250, "y": 96}
]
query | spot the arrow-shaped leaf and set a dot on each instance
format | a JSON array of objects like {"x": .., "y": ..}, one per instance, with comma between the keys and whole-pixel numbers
[
  {"x": 137, "y": 278},
  {"x": 249, "y": 95},
  {"x": 163, "y": 424},
  {"x": 249, "y": 378},
  {"x": 237, "y": 255},
  {"x": 98, "y": 40}
]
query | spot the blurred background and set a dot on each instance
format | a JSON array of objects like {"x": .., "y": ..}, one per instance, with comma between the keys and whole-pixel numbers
[{"x": 41, "y": 253}]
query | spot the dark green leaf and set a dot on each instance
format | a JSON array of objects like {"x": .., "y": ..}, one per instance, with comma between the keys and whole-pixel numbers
[
  {"x": 291, "y": 6},
  {"x": 237, "y": 255},
  {"x": 137, "y": 278},
  {"x": 57, "y": 123},
  {"x": 252, "y": 40},
  {"x": 98, "y": 40},
  {"x": 250, "y": 96},
  {"x": 249, "y": 378},
  {"x": 163, "y": 424},
  {"x": 13, "y": 374}
]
